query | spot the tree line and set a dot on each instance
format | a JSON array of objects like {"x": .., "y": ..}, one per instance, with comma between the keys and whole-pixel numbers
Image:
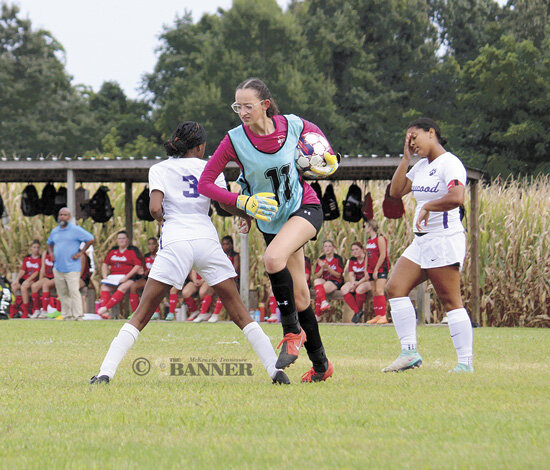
[{"x": 360, "y": 69}]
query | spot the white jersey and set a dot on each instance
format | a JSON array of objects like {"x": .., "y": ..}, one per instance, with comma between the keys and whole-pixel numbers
[
  {"x": 432, "y": 181},
  {"x": 185, "y": 210}
]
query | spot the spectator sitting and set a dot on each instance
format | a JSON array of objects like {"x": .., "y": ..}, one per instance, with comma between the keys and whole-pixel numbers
[
  {"x": 137, "y": 287},
  {"x": 45, "y": 283},
  {"x": 358, "y": 283},
  {"x": 28, "y": 274},
  {"x": 120, "y": 269},
  {"x": 329, "y": 277},
  {"x": 378, "y": 266},
  {"x": 190, "y": 288},
  {"x": 227, "y": 246}
]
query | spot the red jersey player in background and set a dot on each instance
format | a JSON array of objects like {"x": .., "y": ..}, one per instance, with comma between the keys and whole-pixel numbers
[
  {"x": 378, "y": 266},
  {"x": 329, "y": 276},
  {"x": 44, "y": 283},
  {"x": 137, "y": 287},
  {"x": 30, "y": 269},
  {"x": 235, "y": 258},
  {"x": 354, "y": 291},
  {"x": 125, "y": 262}
]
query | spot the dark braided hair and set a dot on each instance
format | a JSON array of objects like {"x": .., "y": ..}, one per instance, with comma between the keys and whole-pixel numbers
[
  {"x": 426, "y": 124},
  {"x": 263, "y": 93},
  {"x": 188, "y": 135}
]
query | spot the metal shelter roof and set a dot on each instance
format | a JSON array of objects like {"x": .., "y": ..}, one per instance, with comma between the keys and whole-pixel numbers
[{"x": 136, "y": 170}]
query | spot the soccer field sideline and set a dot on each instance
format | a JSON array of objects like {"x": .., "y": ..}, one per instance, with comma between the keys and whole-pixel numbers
[{"x": 360, "y": 418}]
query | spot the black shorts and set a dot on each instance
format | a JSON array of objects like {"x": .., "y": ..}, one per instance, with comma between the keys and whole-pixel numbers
[
  {"x": 381, "y": 275},
  {"x": 313, "y": 213},
  {"x": 86, "y": 280},
  {"x": 338, "y": 284}
]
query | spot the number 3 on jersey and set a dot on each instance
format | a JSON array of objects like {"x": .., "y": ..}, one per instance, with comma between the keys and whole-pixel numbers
[
  {"x": 276, "y": 175},
  {"x": 191, "y": 184}
]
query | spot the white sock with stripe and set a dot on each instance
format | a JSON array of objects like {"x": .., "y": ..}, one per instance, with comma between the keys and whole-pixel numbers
[
  {"x": 262, "y": 346},
  {"x": 404, "y": 320},
  {"x": 119, "y": 347},
  {"x": 462, "y": 335}
]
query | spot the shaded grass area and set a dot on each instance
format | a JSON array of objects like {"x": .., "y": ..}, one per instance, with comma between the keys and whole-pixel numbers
[{"x": 360, "y": 418}]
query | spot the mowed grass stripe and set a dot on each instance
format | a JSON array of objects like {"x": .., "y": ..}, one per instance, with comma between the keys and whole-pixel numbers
[{"x": 360, "y": 418}]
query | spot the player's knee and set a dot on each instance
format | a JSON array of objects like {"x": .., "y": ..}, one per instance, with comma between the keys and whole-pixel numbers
[
  {"x": 318, "y": 282},
  {"x": 302, "y": 299},
  {"x": 392, "y": 290},
  {"x": 274, "y": 262}
]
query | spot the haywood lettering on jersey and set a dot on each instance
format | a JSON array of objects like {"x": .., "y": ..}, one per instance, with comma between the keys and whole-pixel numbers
[{"x": 425, "y": 189}]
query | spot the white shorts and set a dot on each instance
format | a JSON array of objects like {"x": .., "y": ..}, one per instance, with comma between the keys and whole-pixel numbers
[
  {"x": 174, "y": 262},
  {"x": 435, "y": 250}
]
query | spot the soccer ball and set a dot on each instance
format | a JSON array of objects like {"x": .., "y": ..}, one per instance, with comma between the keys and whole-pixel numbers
[{"x": 311, "y": 151}]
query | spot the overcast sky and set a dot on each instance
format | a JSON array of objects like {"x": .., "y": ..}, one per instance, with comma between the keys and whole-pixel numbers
[{"x": 111, "y": 39}]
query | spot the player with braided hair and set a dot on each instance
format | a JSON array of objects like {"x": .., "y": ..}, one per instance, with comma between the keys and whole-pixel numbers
[
  {"x": 188, "y": 240},
  {"x": 437, "y": 252},
  {"x": 264, "y": 147}
]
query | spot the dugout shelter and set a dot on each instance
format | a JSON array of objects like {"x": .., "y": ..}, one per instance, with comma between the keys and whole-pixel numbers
[{"x": 135, "y": 170}]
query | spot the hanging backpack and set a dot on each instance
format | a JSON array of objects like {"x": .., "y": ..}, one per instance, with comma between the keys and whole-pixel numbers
[
  {"x": 30, "y": 202},
  {"x": 100, "y": 205},
  {"x": 47, "y": 201},
  {"x": 60, "y": 200},
  {"x": 351, "y": 207},
  {"x": 5, "y": 298},
  {"x": 317, "y": 188},
  {"x": 81, "y": 198},
  {"x": 142, "y": 206},
  {"x": 392, "y": 206},
  {"x": 330, "y": 204},
  {"x": 366, "y": 209}
]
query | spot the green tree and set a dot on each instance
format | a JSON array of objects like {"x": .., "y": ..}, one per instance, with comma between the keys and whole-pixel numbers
[
  {"x": 132, "y": 118},
  {"x": 201, "y": 64},
  {"x": 505, "y": 107},
  {"x": 41, "y": 112}
]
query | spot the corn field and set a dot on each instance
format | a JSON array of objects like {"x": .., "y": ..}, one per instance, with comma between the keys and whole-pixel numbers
[{"x": 514, "y": 222}]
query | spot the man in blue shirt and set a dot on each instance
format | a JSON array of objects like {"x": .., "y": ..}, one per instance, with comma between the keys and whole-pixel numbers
[{"x": 64, "y": 248}]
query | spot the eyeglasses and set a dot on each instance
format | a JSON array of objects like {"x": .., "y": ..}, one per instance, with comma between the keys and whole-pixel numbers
[{"x": 236, "y": 107}]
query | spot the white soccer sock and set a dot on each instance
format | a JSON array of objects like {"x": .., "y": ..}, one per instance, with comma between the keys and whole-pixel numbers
[
  {"x": 460, "y": 327},
  {"x": 404, "y": 319},
  {"x": 119, "y": 347},
  {"x": 262, "y": 346}
]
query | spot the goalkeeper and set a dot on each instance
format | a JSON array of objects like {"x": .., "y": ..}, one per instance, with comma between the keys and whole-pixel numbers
[{"x": 286, "y": 209}]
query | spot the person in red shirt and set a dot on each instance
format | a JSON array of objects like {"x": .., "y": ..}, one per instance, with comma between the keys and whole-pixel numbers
[
  {"x": 137, "y": 287},
  {"x": 44, "y": 283},
  {"x": 28, "y": 274},
  {"x": 354, "y": 291},
  {"x": 120, "y": 268},
  {"x": 329, "y": 277},
  {"x": 378, "y": 266},
  {"x": 227, "y": 247}
]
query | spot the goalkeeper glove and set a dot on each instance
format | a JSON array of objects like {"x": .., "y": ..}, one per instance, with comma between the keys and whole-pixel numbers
[
  {"x": 261, "y": 206},
  {"x": 327, "y": 170}
]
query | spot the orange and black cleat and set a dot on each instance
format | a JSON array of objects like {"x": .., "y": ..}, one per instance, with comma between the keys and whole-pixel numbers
[
  {"x": 290, "y": 348},
  {"x": 312, "y": 376}
]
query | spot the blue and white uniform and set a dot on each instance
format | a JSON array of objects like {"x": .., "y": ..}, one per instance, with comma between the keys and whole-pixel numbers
[
  {"x": 442, "y": 241},
  {"x": 189, "y": 239}
]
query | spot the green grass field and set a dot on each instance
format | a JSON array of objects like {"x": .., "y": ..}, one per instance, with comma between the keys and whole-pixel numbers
[{"x": 361, "y": 418}]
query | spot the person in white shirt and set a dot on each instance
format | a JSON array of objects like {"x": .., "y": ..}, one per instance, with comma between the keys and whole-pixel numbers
[
  {"x": 188, "y": 241},
  {"x": 439, "y": 246}
]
